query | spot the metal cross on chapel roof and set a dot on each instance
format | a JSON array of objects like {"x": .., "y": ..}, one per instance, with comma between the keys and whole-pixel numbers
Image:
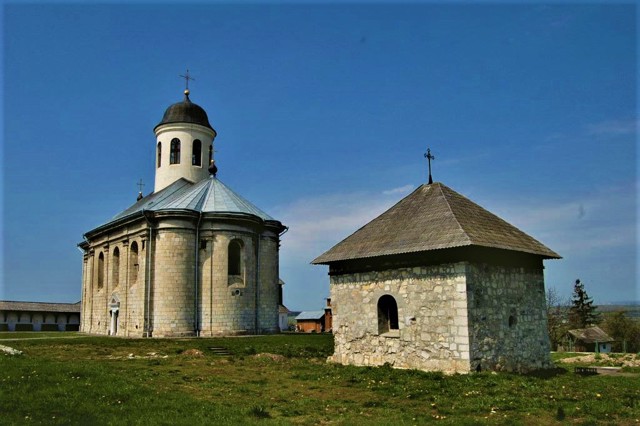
[
  {"x": 140, "y": 185},
  {"x": 429, "y": 157}
]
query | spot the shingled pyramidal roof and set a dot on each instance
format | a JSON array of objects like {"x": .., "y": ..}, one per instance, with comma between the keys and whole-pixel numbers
[{"x": 433, "y": 217}]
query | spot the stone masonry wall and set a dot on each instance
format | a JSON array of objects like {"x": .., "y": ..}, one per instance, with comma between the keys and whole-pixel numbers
[
  {"x": 432, "y": 315},
  {"x": 507, "y": 318},
  {"x": 172, "y": 295},
  {"x": 227, "y": 307},
  {"x": 268, "y": 288}
]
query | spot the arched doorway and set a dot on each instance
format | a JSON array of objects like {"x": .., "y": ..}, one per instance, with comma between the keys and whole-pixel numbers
[{"x": 114, "y": 309}]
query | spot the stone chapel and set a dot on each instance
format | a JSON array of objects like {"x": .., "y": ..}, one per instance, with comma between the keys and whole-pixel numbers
[
  {"x": 438, "y": 283},
  {"x": 193, "y": 258}
]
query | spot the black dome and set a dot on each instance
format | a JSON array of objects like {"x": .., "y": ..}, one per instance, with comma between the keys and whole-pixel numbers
[{"x": 185, "y": 112}]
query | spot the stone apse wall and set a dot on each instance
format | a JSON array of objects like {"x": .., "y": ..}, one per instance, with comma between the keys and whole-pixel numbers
[
  {"x": 451, "y": 318},
  {"x": 225, "y": 306}
]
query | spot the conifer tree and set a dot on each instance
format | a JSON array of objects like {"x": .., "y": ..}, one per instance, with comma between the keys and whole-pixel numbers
[{"x": 582, "y": 313}]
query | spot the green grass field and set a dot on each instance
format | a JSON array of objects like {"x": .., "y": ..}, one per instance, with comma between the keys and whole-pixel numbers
[{"x": 280, "y": 379}]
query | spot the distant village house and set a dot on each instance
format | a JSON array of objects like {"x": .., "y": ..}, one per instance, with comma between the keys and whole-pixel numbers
[{"x": 590, "y": 339}]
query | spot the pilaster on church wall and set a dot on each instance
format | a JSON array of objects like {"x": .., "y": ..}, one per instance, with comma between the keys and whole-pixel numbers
[
  {"x": 85, "y": 320},
  {"x": 205, "y": 264}
]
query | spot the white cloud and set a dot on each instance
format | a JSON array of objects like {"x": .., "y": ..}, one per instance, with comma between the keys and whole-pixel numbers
[
  {"x": 602, "y": 220},
  {"x": 614, "y": 128},
  {"x": 400, "y": 190},
  {"x": 318, "y": 223}
]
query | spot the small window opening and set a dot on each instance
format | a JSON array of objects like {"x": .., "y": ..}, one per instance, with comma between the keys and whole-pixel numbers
[
  {"x": 100, "y": 270},
  {"x": 387, "y": 314},
  {"x": 196, "y": 153},
  {"x": 134, "y": 262},
  {"x": 159, "y": 154},
  {"x": 116, "y": 267},
  {"x": 210, "y": 153},
  {"x": 174, "y": 155}
]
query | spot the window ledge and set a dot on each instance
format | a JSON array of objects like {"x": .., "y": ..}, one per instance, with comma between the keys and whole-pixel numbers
[{"x": 393, "y": 334}]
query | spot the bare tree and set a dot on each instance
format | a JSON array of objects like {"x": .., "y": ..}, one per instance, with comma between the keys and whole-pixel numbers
[{"x": 557, "y": 324}]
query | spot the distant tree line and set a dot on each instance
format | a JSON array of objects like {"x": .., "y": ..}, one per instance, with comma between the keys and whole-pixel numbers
[{"x": 581, "y": 312}]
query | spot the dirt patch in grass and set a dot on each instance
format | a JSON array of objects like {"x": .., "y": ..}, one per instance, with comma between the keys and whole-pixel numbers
[
  {"x": 613, "y": 360},
  {"x": 193, "y": 353},
  {"x": 273, "y": 357}
]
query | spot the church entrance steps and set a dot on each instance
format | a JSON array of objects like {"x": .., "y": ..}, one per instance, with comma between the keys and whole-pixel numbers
[{"x": 219, "y": 351}]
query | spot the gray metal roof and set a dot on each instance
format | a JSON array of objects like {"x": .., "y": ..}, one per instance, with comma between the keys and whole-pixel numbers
[
  {"x": 207, "y": 196},
  {"x": 430, "y": 218},
  {"x": 310, "y": 315},
  {"x": 9, "y": 305}
]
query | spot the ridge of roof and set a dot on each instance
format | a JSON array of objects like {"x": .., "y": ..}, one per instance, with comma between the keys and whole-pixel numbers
[
  {"x": 432, "y": 217},
  {"x": 11, "y": 305}
]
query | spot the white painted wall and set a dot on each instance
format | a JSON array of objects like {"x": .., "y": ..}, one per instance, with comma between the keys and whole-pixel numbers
[{"x": 167, "y": 173}]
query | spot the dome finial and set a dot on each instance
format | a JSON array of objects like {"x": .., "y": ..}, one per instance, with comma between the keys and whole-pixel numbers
[{"x": 213, "y": 169}]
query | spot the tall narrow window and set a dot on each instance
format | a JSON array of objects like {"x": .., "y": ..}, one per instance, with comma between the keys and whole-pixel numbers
[
  {"x": 387, "y": 314},
  {"x": 235, "y": 258},
  {"x": 134, "y": 264},
  {"x": 159, "y": 154},
  {"x": 100, "y": 270},
  {"x": 115, "y": 268},
  {"x": 235, "y": 265},
  {"x": 196, "y": 153},
  {"x": 174, "y": 155},
  {"x": 210, "y": 153}
]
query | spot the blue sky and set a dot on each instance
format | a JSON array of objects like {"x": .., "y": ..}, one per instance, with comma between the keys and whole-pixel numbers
[{"x": 323, "y": 114}]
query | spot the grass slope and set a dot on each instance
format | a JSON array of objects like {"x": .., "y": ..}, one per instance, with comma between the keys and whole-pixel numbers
[{"x": 101, "y": 380}]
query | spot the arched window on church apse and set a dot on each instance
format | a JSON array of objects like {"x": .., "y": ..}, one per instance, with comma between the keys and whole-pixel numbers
[
  {"x": 235, "y": 262},
  {"x": 196, "y": 153},
  {"x": 174, "y": 155},
  {"x": 387, "y": 314},
  {"x": 159, "y": 154},
  {"x": 100, "y": 270},
  {"x": 134, "y": 262},
  {"x": 115, "y": 267}
]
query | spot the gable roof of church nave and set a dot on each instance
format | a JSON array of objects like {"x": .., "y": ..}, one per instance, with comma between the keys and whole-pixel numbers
[
  {"x": 207, "y": 196},
  {"x": 433, "y": 217}
]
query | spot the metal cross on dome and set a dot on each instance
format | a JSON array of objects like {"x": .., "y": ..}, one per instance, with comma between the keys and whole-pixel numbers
[
  {"x": 187, "y": 77},
  {"x": 429, "y": 157},
  {"x": 140, "y": 185}
]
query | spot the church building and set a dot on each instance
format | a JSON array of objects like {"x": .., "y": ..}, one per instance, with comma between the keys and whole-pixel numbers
[
  {"x": 193, "y": 258},
  {"x": 438, "y": 283}
]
